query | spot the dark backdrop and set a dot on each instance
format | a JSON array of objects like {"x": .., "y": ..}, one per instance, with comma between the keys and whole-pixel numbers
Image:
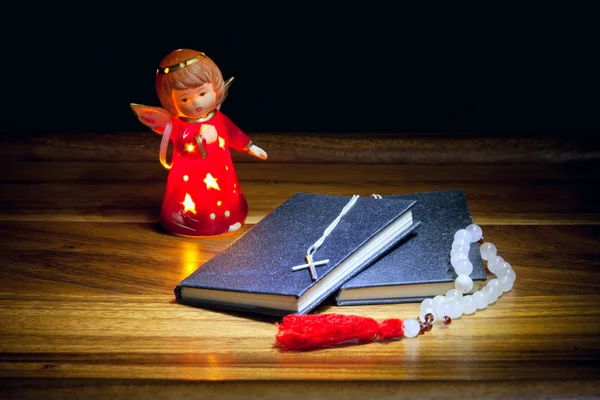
[{"x": 386, "y": 69}]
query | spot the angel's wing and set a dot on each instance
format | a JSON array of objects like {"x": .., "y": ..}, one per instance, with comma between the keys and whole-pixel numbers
[
  {"x": 155, "y": 118},
  {"x": 226, "y": 87}
]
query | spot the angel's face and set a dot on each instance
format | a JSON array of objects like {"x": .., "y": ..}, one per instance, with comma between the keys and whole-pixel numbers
[{"x": 195, "y": 103}]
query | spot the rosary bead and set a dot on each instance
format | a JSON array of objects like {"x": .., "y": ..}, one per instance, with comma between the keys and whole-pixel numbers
[
  {"x": 456, "y": 257},
  {"x": 446, "y": 320},
  {"x": 454, "y": 309},
  {"x": 511, "y": 274},
  {"x": 468, "y": 305},
  {"x": 411, "y": 327},
  {"x": 492, "y": 262},
  {"x": 463, "y": 283},
  {"x": 480, "y": 299},
  {"x": 463, "y": 234},
  {"x": 453, "y": 294},
  {"x": 461, "y": 242},
  {"x": 443, "y": 309},
  {"x": 460, "y": 247},
  {"x": 495, "y": 283},
  {"x": 506, "y": 283},
  {"x": 463, "y": 267},
  {"x": 502, "y": 269},
  {"x": 488, "y": 250},
  {"x": 460, "y": 253},
  {"x": 495, "y": 293},
  {"x": 439, "y": 299},
  {"x": 475, "y": 231},
  {"x": 492, "y": 293},
  {"x": 427, "y": 303},
  {"x": 427, "y": 315}
]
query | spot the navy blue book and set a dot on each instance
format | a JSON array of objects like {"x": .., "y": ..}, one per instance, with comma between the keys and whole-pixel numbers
[
  {"x": 255, "y": 272},
  {"x": 420, "y": 266}
]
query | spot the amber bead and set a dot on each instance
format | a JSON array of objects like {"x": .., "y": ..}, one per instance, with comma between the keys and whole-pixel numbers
[
  {"x": 446, "y": 320},
  {"x": 422, "y": 328},
  {"x": 428, "y": 327}
]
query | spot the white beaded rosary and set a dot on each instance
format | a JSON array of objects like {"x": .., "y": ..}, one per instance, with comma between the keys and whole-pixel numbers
[
  {"x": 454, "y": 304},
  {"x": 304, "y": 332}
]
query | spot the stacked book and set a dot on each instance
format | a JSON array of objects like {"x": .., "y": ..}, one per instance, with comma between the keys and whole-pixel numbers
[{"x": 356, "y": 250}]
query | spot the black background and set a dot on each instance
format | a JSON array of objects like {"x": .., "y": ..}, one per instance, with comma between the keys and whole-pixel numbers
[{"x": 311, "y": 68}]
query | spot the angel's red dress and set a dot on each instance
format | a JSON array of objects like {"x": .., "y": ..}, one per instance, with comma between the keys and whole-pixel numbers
[{"x": 203, "y": 196}]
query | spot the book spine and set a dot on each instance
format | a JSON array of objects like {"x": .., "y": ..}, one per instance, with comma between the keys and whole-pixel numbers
[
  {"x": 178, "y": 293},
  {"x": 220, "y": 306}
]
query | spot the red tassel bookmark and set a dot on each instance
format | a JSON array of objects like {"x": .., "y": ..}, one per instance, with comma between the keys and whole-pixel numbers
[{"x": 309, "y": 332}]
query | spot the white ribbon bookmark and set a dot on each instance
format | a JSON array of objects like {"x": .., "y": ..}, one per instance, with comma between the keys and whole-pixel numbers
[{"x": 312, "y": 249}]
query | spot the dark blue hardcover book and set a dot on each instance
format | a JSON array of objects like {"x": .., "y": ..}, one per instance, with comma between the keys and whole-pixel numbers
[
  {"x": 419, "y": 267},
  {"x": 255, "y": 274}
]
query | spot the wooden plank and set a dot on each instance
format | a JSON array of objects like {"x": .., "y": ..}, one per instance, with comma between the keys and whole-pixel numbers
[
  {"x": 269, "y": 171},
  {"x": 150, "y": 337},
  {"x": 122, "y": 258},
  {"x": 317, "y": 147},
  {"x": 132, "y": 192},
  {"x": 182, "y": 389}
]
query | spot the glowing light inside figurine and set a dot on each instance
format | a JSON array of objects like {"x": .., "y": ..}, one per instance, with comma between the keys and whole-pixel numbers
[
  {"x": 190, "y": 148},
  {"x": 227, "y": 213},
  {"x": 188, "y": 204},
  {"x": 221, "y": 142},
  {"x": 219, "y": 203},
  {"x": 212, "y": 216},
  {"x": 186, "y": 178},
  {"x": 211, "y": 182}
]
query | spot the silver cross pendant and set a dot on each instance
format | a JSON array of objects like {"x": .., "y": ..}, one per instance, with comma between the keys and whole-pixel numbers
[{"x": 311, "y": 266}]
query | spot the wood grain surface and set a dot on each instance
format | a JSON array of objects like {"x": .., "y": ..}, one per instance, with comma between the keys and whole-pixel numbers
[
  {"x": 318, "y": 147},
  {"x": 87, "y": 308}
]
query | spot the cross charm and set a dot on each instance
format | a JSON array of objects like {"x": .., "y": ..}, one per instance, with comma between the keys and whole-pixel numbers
[{"x": 311, "y": 266}]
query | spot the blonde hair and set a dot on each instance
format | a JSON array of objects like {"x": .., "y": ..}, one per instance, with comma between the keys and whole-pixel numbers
[{"x": 190, "y": 77}]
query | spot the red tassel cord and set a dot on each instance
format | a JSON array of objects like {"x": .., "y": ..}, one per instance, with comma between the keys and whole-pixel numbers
[{"x": 309, "y": 332}]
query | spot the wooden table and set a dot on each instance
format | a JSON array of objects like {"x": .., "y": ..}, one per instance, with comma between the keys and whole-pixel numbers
[{"x": 87, "y": 308}]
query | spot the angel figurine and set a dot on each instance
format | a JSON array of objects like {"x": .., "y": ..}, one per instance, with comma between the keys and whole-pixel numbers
[{"x": 203, "y": 196}]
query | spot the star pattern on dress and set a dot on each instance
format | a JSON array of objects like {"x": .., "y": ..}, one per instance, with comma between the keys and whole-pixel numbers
[
  {"x": 188, "y": 204},
  {"x": 211, "y": 182}
]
